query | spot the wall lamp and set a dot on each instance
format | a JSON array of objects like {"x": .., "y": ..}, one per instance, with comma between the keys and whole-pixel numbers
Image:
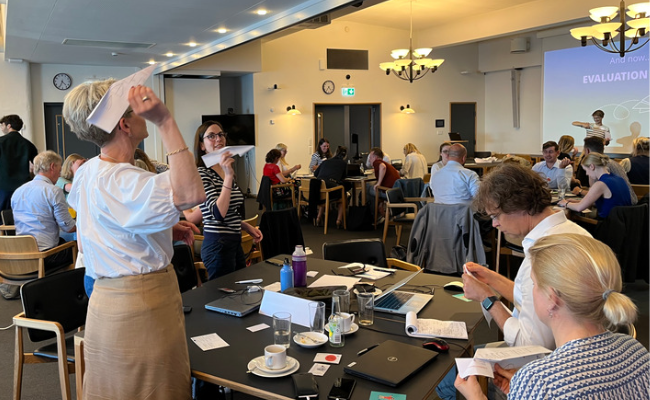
[
  {"x": 407, "y": 109},
  {"x": 292, "y": 110}
]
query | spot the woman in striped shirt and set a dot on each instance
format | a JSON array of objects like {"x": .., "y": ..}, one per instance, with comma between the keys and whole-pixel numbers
[{"x": 222, "y": 222}]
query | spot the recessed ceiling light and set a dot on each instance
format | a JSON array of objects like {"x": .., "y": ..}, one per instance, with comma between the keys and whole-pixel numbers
[
  {"x": 152, "y": 62},
  {"x": 170, "y": 54},
  {"x": 192, "y": 44},
  {"x": 262, "y": 11},
  {"x": 222, "y": 30}
]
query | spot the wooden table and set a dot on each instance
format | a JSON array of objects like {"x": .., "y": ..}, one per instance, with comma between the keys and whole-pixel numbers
[
  {"x": 359, "y": 183},
  {"x": 227, "y": 366},
  {"x": 485, "y": 167}
]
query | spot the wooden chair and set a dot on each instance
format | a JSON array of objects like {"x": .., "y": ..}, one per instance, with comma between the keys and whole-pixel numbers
[
  {"x": 366, "y": 251},
  {"x": 21, "y": 261},
  {"x": 254, "y": 253},
  {"x": 507, "y": 246},
  {"x": 641, "y": 190},
  {"x": 8, "y": 227},
  {"x": 283, "y": 185},
  {"x": 52, "y": 306},
  {"x": 426, "y": 178},
  {"x": 377, "y": 200},
  {"x": 325, "y": 193},
  {"x": 398, "y": 213}
]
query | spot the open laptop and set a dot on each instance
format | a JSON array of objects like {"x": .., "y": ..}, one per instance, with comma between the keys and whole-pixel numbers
[
  {"x": 398, "y": 302},
  {"x": 391, "y": 363},
  {"x": 233, "y": 305},
  {"x": 454, "y": 136},
  {"x": 354, "y": 170}
]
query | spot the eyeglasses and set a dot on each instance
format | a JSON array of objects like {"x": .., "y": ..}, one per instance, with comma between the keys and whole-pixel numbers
[
  {"x": 445, "y": 152},
  {"x": 214, "y": 136},
  {"x": 495, "y": 216}
]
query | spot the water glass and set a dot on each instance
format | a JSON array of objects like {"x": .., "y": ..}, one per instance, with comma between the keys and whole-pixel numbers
[
  {"x": 366, "y": 308},
  {"x": 342, "y": 297},
  {"x": 561, "y": 193},
  {"x": 282, "y": 329},
  {"x": 317, "y": 316}
]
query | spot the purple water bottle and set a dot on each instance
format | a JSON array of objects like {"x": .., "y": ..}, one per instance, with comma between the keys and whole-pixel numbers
[{"x": 299, "y": 264}]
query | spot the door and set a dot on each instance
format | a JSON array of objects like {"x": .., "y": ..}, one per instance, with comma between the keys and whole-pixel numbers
[
  {"x": 463, "y": 120},
  {"x": 59, "y": 137},
  {"x": 356, "y": 126}
]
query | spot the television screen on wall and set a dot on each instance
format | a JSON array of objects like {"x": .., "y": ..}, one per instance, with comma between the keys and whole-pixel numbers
[{"x": 240, "y": 128}]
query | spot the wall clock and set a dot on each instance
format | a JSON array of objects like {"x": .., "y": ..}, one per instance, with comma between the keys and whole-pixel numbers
[
  {"x": 328, "y": 87},
  {"x": 62, "y": 81}
]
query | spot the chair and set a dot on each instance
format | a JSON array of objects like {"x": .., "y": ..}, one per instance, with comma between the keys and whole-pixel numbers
[
  {"x": 398, "y": 213},
  {"x": 185, "y": 268},
  {"x": 266, "y": 201},
  {"x": 325, "y": 198},
  {"x": 52, "y": 306},
  {"x": 21, "y": 261},
  {"x": 251, "y": 250},
  {"x": 377, "y": 200},
  {"x": 366, "y": 251},
  {"x": 641, "y": 190},
  {"x": 507, "y": 246},
  {"x": 8, "y": 226},
  {"x": 282, "y": 232}
]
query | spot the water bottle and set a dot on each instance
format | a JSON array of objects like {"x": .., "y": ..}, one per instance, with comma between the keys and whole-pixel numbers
[
  {"x": 335, "y": 325},
  {"x": 286, "y": 276},
  {"x": 299, "y": 264}
]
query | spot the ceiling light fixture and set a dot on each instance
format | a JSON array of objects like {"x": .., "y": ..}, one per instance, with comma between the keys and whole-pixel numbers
[
  {"x": 152, "y": 62},
  {"x": 292, "y": 110},
  {"x": 170, "y": 54},
  {"x": 222, "y": 30},
  {"x": 409, "y": 64},
  {"x": 407, "y": 109},
  {"x": 262, "y": 11},
  {"x": 606, "y": 30},
  {"x": 192, "y": 44}
]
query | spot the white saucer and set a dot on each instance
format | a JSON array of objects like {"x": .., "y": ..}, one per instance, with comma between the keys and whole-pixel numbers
[
  {"x": 312, "y": 340},
  {"x": 257, "y": 367},
  {"x": 377, "y": 291},
  {"x": 353, "y": 328}
]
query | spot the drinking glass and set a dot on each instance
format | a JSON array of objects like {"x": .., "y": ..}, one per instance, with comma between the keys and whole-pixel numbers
[
  {"x": 366, "y": 308},
  {"x": 317, "y": 316},
  {"x": 282, "y": 329},
  {"x": 343, "y": 299}
]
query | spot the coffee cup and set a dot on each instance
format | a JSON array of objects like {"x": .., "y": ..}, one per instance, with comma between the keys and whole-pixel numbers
[
  {"x": 348, "y": 320},
  {"x": 275, "y": 356}
]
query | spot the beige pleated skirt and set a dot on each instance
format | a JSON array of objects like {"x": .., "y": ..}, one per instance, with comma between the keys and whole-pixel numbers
[{"x": 134, "y": 345}]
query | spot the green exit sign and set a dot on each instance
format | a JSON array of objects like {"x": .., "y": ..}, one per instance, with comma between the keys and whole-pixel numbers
[{"x": 348, "y": 91}]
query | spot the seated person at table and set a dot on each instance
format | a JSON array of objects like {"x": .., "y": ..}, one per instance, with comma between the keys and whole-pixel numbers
[
  {"x": 40, "y": 209},
  {"x": 444, "y": 158},
  {"x": 333, "y": 172},
  {"x": 415, "y": 165},
  {"x": 69, "y": 168},
  {"x": 283, "y": 164},
  {"x": 557, "y": 173},
  {"x": 567, "y": 147},
  {"x": 455, "y": 184},
  {"x": 578, "y": 305},
  {"x": 596, "y": 129},
  {"x": 322, "y": 153},
  {"x": 386, "y": 175},
  {"x": 271, "y": 168},
  {"x": 637, "y": 167},
  {"x": 607, "y": 192}
]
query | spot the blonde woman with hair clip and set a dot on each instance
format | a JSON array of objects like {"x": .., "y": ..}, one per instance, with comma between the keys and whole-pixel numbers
[
  {"x": 637, "y": 167},
  {"x": 579, "y": 305},
  {"x": 607, "y": 192},
  {"x": 415, "y": 165},
  {"x": 286, "y": 170}
]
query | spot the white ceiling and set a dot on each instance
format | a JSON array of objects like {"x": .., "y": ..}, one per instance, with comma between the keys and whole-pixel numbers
[{"x": 35, "y": 29}]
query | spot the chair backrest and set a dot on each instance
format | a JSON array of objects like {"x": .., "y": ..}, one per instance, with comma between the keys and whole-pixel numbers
[
  {"x": 183, "y": 262},
  {"x": 13, "y": 247},
  {"x": 59, "y": 297},
  {"x": 252, "y": 221},
  {"x": 264, "y": 193},
  {"x": 282, "y": 232},
  {"x": 7, "y": 217},
  {"x": 639, "y": 190},
  {"x": 395, "y": 196},
  {"x": 410, "y": 187},
  {"x": 366, "y": 251}
]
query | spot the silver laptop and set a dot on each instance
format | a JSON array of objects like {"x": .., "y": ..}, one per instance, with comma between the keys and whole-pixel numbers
[
  {"x": 234, "y": 305},
  {"x": 399, "y": 302}
]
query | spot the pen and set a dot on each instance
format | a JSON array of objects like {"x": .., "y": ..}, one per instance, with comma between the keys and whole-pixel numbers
[
  {"x": 367, "y": 349},
  {"x": 389, "y": 270},
  {"x": 250, "y": 281}
]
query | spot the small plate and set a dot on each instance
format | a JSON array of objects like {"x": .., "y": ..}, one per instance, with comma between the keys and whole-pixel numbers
[
  {"x": 257, "y": 367},
  {"x": 310, "y": 340},
  {"x": 353, "y": 328},
  {"x": 377, "y": 292}
]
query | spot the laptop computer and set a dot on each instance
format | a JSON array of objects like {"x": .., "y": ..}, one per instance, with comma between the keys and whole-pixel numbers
[
  {"x": 354, "y": 170},
  {"x": 233, "y": 305},
  {"x": 398, "y": 302},
  {"x": 454, "y": 136},
  {"x": 391, "y": 363}
]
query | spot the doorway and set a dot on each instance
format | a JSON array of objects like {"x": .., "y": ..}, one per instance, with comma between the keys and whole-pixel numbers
[
  {"x": 59, "y": 137},
  {"x": 355, "y": 126},
  {"x": 462, "y": 117}
]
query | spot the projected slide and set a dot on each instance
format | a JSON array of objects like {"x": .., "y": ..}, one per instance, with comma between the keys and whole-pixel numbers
[{"x": 579, "y": 81}]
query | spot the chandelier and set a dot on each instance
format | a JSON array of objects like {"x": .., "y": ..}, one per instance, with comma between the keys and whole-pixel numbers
[
  {"x": 634, "y": 28},
  {"x": 409, "y": 64}
]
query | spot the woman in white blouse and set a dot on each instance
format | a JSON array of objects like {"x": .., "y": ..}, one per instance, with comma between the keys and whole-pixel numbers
[
  {"x": 135, "y": 345},
  {"x": 286, "y": 170},
  {"x": 415, "y": 165}
]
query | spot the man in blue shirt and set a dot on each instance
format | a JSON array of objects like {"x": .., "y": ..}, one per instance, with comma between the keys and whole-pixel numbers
[
  {"x": 455, "y": 184},
  {"x": 558, "y": 173}
]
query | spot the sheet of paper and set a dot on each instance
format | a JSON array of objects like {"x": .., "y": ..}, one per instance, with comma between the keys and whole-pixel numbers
[
  {"x": 258, "y": 327},
  {"x": 273, "y": 302},
  {"x": 333, "y": 280},
  {"x": 319, "y": 369},
  {"x": 434, "y": 328},
  {"x": 330, "y": 358},
  {"x": 274, "y": 287},
  {"x": 472, "y": 366},
  {"x": 111, "y": 107},
  {"x": 312, "y": 274},
  {"x": 461, "y": 296},
  {"x": 213, "y": 158},
  {"x": 209, "y": 341},
  {"x": 497, "y": 354}
]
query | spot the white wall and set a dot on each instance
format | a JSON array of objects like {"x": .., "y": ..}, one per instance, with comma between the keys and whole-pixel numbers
[{"x": 15, "y": 94}]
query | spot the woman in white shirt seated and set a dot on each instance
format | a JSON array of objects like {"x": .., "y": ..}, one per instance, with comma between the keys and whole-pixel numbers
[
  {"x": 415, "y": 165},
  {"x": 286, "y": 170},
  {"x": 577, "y": 294},
  {"x": 135, "y": 345}
]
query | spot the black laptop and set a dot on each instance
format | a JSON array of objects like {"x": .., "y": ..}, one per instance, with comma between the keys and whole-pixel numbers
[
  {"x": 454, "y": 136},
  {"x": 391, "y": 363},
  {"x": 354, "y": 170}
]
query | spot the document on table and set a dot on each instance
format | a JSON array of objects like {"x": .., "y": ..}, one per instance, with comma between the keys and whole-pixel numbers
[
  {"x": 213, "y": 158},
  {"x": 507, "y": 357},
  {"x": 112, "y": 106},
  {"x": 434, "y": 328},
  {"x": 472, "y": 366},
  {"x": 334, "y": 280},
  {"x": 209, "y": 341},
  {"x": 273, "y": 302}
]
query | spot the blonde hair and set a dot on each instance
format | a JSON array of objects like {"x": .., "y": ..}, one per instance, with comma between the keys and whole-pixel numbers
[
  {"x": 585, "y": 274},
  {"x": 640, "y": 146},
  {"x": 282, "y": 146},
  {"x": 596, "y": 159},
  {"x": 77, "y": 106},
  {"x": 145, "y": 162},
  {"x": 43, "y": 161},
  {"x": 66, "y": 169},
  {"x": 410, "y": 148},
  {"x": 566, "y": 144}
]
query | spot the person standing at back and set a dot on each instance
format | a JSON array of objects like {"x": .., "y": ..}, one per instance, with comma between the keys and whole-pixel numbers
[
  {"x": 16, "y": 156},
  {"x": 596, "y": 129}
]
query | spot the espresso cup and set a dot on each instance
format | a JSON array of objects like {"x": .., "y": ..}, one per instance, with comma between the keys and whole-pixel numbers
[
  {"x": 348, "y": 320},
  {"x": 275, "y": 356}
]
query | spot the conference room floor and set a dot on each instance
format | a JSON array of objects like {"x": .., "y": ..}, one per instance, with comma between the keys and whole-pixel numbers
[{"x": 40, "y": 381}]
